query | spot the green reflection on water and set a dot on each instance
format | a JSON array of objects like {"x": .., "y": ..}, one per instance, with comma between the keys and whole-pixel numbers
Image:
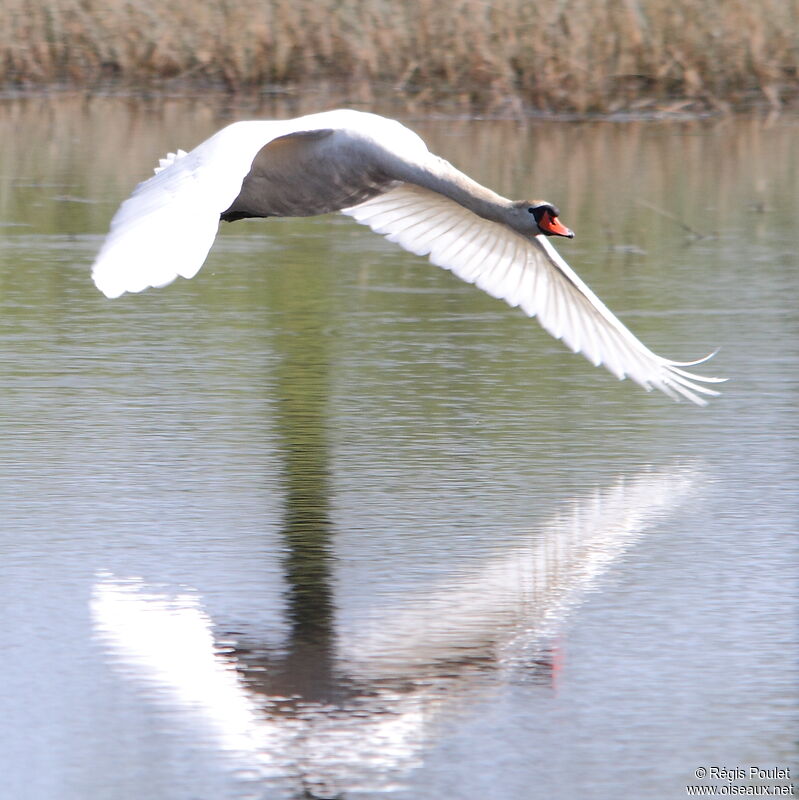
[{"x": 301, "y": 421}]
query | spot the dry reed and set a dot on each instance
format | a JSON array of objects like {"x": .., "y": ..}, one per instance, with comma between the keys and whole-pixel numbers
[{"x": 563, "y": 55}]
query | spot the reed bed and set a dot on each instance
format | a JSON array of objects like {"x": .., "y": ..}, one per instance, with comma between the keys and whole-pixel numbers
[{"x": 558, "y": 55}]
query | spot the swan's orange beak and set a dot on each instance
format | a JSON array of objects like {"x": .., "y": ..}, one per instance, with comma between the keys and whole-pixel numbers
[{"x": 552, "y": 226}]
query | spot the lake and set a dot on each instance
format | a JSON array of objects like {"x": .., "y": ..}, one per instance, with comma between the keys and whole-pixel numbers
[{"x": 326, "y": 522}]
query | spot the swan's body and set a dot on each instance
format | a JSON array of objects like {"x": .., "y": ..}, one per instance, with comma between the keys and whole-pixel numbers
[{"x": 381, "y": 173}]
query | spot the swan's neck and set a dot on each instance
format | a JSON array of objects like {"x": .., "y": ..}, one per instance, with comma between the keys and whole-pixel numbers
[{"x": 440, "y": 176}]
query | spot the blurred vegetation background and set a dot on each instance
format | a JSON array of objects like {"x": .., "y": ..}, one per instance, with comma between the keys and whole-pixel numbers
[{"x": 569, "y": 56}]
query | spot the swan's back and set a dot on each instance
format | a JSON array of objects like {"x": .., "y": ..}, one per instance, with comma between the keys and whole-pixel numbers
[{"x": 167, "y": 226}]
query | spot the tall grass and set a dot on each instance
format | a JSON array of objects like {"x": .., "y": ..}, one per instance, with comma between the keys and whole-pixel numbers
[{"x": 564, "y": 55}]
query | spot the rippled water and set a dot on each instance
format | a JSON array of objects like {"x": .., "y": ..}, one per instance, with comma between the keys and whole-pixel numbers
[{"x": 325, "y": 522}]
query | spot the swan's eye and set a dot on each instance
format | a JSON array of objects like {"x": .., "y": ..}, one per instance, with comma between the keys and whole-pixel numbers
[{"x": 531, "y": 210}]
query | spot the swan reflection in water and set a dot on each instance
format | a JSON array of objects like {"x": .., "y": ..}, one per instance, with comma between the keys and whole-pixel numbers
[{"x": 396, "y": 671}]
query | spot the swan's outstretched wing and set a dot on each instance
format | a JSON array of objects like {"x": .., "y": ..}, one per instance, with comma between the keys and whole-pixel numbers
[
  {"x": 527, "y": 273},
  {"x": 167, "y": 226}
]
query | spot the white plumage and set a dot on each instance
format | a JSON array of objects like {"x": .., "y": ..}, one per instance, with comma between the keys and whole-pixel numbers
[{"x": 381, "y": 174}]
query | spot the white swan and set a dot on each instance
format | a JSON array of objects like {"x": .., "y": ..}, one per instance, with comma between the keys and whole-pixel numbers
[{"x": 381, "y": 173}]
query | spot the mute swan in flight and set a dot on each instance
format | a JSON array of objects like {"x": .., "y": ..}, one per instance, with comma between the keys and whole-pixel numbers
[{"x": 380, "y": 173}]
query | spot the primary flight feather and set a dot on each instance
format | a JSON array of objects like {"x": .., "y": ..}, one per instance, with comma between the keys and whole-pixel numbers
[{"x": 380, "y": 173}]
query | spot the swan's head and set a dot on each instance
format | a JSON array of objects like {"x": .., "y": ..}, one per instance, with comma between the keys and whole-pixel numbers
[{"x": 540, "y": 217}]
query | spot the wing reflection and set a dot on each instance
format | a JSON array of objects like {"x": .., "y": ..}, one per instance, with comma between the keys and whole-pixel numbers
[
  {"x": 398, "y": 669},
  {"x": 521, "y": 597}
]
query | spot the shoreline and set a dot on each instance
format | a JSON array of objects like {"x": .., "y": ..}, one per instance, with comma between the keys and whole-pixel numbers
[{"x": 384, "y": 99}]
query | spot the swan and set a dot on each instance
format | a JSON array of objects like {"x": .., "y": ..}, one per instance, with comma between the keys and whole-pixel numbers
[{"x": 381, "y": 174}]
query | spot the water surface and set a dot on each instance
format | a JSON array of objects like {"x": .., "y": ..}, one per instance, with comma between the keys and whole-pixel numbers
[{"x": 326, "y": 522}]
